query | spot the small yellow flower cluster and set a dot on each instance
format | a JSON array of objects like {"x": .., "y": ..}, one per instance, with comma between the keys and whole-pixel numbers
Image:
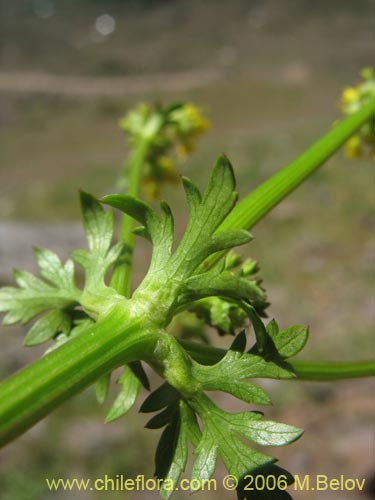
[
  {"x": 189, "y": 125},
  {"x": 171, "y": 134},
  {"x": 352, "y": 99}
]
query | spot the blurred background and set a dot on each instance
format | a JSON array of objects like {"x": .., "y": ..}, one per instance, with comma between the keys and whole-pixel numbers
[{"x": 269, "y": 76}]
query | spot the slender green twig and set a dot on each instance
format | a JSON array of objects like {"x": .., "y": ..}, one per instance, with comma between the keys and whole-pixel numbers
[
  {"x": 251, "y": 209},
  {"x": 333, "y": 370},
  {"x": 121, "y": 276}
]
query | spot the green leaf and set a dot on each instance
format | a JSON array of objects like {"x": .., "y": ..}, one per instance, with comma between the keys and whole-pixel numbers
[
  {"x": 102, "y": 387},
  {"x": 166, "y": 448},
  {"x": 56, "y": 293},
  {"x": 220, "y": 313},
  {"x": 163, "y": 418},
  {"x": 33, "y": 297},
  {"x": 178, "y": 277},
  {"x": 52, "y": 269},
  {"x": 239, "y": 343},
  {"x": 159, "y": 230},
  {"x": 193, "y": 197},
  {"x": 45, "y": 328},
  {"x": 217, "y": 201},
  {"x": 239, "y": 366},
  {"x": 263, "y": 345},
  {"x": 99, "y": 227},
  {"x": 266, "y": 433},
  {"x": 272, "y": 328},
  {"x": 130, "y": 386},
  {"x": 246, "y": 391},
  {"x": 220, "y": 437},
  {"x": 98, "y": 224},
  {"x": 137, "y": 368},
  {"x": 172, "y": 452},
  {"x": 205, "y": 463},
  {"x": 160, "y": 398},
  {"x": 290, "y": 341},
  {"x": 223, "y": 285}
]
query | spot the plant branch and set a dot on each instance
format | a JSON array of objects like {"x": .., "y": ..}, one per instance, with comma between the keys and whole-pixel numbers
[
  {"x": 121, "y": 276},
  {"x": 333, "y": 370},
  {"x": 251, "y": 209},
  {"x": 116, "y": 339},
  {"x": 305, "y": 370}
]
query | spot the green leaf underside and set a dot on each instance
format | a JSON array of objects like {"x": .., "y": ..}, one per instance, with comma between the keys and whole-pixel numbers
[
  {"x": 33, "y": 297},
  {"x": 130, "y": 387},
  {"x": 246, "y": 391},
  {"x": 47, "y": 327},
  {"x": 221, "y": 434},
  {"x": 220, "y": 437},
  {"x": 97, "y": 223},
  {"x": 239, "y": 366},
  {"x": 102, "y": 387},
  {"x": 160, "y": 398},
  {"x": 199, "y": 240},
  {"x": 139, "y": 372},
  {"x": 172, "y": 451},
  {"x": 55, "y": 294},
  {"x": 176, "y": 280}
]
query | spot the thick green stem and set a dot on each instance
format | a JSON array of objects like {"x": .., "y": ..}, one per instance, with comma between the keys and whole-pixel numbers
[
  {"x": 305, "y": 370},
  {"x": 33, "y": 392},
  {"x": 121, "y": 277}
]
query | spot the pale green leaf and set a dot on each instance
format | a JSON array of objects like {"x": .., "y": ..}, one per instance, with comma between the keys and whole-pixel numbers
[
  {"x": 98, "y": 224},
  {"x": 267, "y": 433},
  {"x": 102, "y": 387},
  {"x": 45, "y": 328},
  {"x": 130, "y": 386}
]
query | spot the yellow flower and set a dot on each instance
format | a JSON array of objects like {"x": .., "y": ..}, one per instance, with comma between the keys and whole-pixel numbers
[
  {"x": 349, "y": 95},
  {"x": 189, "y": 120},
  {"x": 353, "y": 147},
  {"x": 150, "y": 189},
  {"x": 167, "y": 171},
  {"x": 171, "y": 131},
  {"x": 352, "y": 99}
]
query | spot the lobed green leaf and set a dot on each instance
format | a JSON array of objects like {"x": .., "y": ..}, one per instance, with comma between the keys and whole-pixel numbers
[{"x": 130, "y": 386}]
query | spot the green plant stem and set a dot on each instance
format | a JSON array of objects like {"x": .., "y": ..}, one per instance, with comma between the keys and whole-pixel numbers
[
  {"x": 121, "y": 276},
  {"x": 251, "y": 209},
  {"x": 333, "y": 370},
  {"x": 305, "y": 370},
  {"x": 33, "y": 392}
]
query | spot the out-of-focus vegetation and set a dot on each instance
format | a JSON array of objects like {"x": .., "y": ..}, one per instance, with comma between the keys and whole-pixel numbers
[{"x": 269, "y": 75}]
